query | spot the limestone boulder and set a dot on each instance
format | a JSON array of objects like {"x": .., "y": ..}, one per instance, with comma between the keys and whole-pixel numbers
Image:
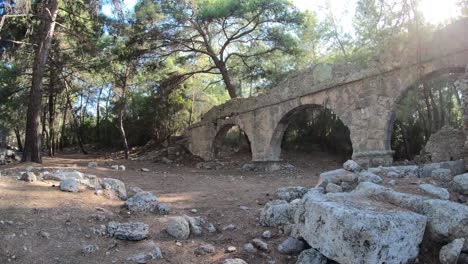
[
  {"x": 352, "y": 229},
  {"x": 276, "y": 213},
  {"x": 337, "y": 177},
  {"x": 446, "y": 144},
  {"x": 28, "y": 176},
  {"x": 63, "y": 174},
  {"x": 311, "y": 256},
  {"x": 351, "y": 165},
  {"x": 411, "y": 171},
  {"x": 133, "y": 231},
  {"x": 69, "y": 185},
  {"x": 449, "y": 253},
  {"x": 290, "y": 193},
  {"x": 178, "y": 227},
  {"x": 460, "y": 183},
  {"x": 142, "y": 202},
  {"x": 446, "y": 220},
  {"x": 291, "y": 246},
  {"x": 369, "y": 176},
  {"x": 438, "y": 192},
  {"x": 115, "y": 185}
]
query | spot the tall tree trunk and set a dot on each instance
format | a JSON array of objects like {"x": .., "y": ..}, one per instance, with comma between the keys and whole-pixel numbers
[
  {"x": 98, "y": 116},
  {"x": 32, "y": 148},
  {"x": 428, "y": 130},
  {"x": 51, "y": 141},
  {"x": 121, "y": 120},
  {"x": 64, "y": 122},
  {"x": 226, "y": 78},
  {"x": 106, "y": 116},
  {"x": 18, "y": 138}
]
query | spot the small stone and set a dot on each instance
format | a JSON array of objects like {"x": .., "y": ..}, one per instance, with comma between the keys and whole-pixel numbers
[
  {"x": 28, "y": 176},
  {"x": 69, "y": 185},
  {"x": 132, "y": 190},
  {"x": 178, "y": 227},
  {"x": 151, "y": 252},
  {"x": 92, "y": 164},
  {"x": 205, "y": 249},
  {"x": 115, "y": 185},
  {"x": 249, "y": 248},
  {"x": 333, "y": 188},
  {"x": 44, "y": 234},
  {"x": 211, "y": 228},
  {"x": 194, "y": 211},
  {"x": 122, "y": 167},
  {"x": 142, "y": 202},
  {"x": 164, "y": 209},
  {"x": 231, "y": 249},
  {"x": 89, "y": 249},
  {"x": 449, "y": 253},
  {"x": 392, "y": 182},
  {"x": 460, "y": 183},
  {"x": 291, "y": 246},
  {"x": 133, "y": 231},
  {"x": 234, "y": 261},
  {"x": 351, "y": 165},
  {"x": 267, "y": 234},
  {"x": 145, "y": 169},
  {"x": 311, "y": 256},
  {"x": 178, "y": 244},
  {"x": 440, "y": 193},
  {"x": 259, "y": 244},
  {"x": 229, "y": 227},
  {"x": 115, "y": 167}
]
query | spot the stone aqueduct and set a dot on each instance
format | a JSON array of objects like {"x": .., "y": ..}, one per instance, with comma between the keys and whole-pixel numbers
[{"x": 364, "y": 99}]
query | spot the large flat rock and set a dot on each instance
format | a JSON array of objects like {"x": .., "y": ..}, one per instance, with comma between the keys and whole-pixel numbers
[{"x": 352, "y": 229}]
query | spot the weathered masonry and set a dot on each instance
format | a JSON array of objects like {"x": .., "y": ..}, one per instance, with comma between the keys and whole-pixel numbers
[{"x": 364, "y": 99}]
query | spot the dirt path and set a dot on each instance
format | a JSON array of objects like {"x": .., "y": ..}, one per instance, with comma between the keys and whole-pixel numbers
[{"x": 221, "y": 196}]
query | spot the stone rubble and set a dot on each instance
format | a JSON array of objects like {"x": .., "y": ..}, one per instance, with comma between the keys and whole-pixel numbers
[
  {"x": 133, "y": 231},
  {"x": 178, "y": 227},
  {"x": 450, "y": 253}
]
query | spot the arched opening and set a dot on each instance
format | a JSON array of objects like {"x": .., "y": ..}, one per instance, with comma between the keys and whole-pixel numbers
[
  {"x": 231, "y": 143},
  {"x": 312, "y": 132},
  {"x": 427, "y": 124}
]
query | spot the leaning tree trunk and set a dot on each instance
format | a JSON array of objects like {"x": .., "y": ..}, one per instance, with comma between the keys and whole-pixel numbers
[
  {"x": 32, "y": 147},
  {"x": 121, "y": 122},
  {"x": 18, "y": 138}
]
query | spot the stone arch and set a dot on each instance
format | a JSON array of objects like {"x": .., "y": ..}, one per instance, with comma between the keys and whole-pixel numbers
[
  {"x": 221, "y": 134},
  {"x": 408, "y": 85},
  {"x": 283, "y": 124}
]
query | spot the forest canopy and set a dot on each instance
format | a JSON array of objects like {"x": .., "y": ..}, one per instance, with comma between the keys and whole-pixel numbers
[{"x": 73, "y": 76}]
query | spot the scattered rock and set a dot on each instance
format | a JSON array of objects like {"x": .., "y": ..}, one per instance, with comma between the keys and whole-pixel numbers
[
  {"x": 211, "y": 228},
  {"x": 115, "y": 185},
  {"x": 69, "y": 185},
  {"x": 122, "y": 167},
  {"x": 132, "y": 190},
  {"x": 449, "y": 253},
  {"x": 231, "y": 249},
  {"x": 337, "y": 177},
  {"x": 460, "y": 183},
  {"x": 369, "y": 176},
  {"x": 291, "y": 193},
  {"x": 442, "y": 174},
  {"x": 267, "y": 234},
  {"x": 259, "y": 244},
  {"x": 89, "y": 249},
  {"x": 209, "y": 165},
  {"x": 194, "y": 211},
  {"x": 92, "y": 164},
  {"x": 163, "y": 209},
  {"x": 166, "y": 160},
  {"x": 351, "y": 165},
  {"x": 333, "y": 188},
  {"x": 28, "y": 176},
  {"x": 59, "y": 175},
  {"x": 115, "y": 167},
  {"x": 151, "y": 252},
  {"x": 205, "y": 249},
  {"x": 229, "y": 227},
  {"x": 196, "y": 224},
  {"x": 234, "y": 261},
  {"x": 128, "y": 231},
  {"x": 277, "y": 212},
  {"x": 392, "y": 182},
  {"x": 44, "y": 234},
  {"x": 440, "y": 193},
  {"x": 249, "y": 248},
  {"x": 178, "y": 227},
  {"x": 142, "y": 202},
  {"x": 311, "y": 256},
  {"x": 145, "y": 169},
  {"x": 291, "y": 246}
]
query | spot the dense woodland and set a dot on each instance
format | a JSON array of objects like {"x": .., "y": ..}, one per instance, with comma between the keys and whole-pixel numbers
[{"x": 73, "y": 77}]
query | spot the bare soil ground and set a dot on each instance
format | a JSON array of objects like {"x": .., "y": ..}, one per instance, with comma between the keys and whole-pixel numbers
[{"x": 26, "y": 209}]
